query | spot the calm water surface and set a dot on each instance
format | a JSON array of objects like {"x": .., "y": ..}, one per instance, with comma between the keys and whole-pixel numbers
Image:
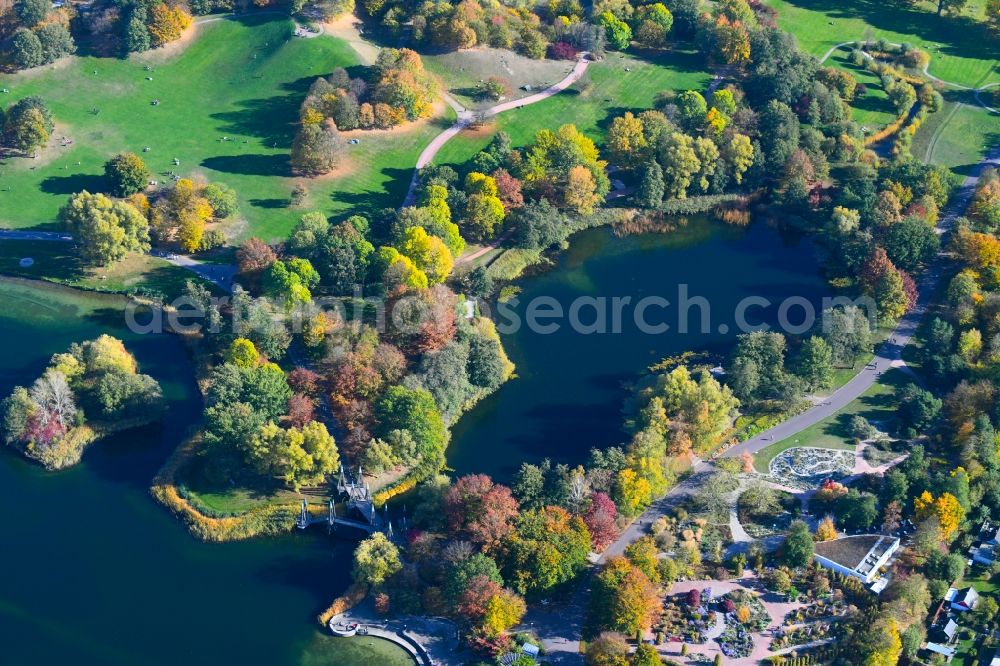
[
  {"x": 94, "y": 572},
  {"x": 568, "y": 393}
]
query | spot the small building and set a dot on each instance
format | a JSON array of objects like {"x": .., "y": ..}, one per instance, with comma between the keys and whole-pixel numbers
[
  {"x": 996, "y": 658},
  {"x": 859, "y": 556},
  {"x": 944, "y": 650},
  {"x": 962, "y": 600},
  {"x": 530, "y": 649},
  {"x": 946, "y": 632},
  {"x": 984, "y": 550}
]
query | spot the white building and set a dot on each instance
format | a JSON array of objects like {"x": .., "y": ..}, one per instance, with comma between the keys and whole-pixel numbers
[
  {"x": 962, "y": 600},
  {"x": 859, "y": 556}
]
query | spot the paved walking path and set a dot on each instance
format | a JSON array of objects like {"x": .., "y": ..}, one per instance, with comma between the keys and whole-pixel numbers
[
  {"x": 467, "y": 118},
  {"x": 221, "y": 275}
]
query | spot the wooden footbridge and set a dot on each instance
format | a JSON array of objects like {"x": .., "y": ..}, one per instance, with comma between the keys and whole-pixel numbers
[{"x": 361, "y": 513}]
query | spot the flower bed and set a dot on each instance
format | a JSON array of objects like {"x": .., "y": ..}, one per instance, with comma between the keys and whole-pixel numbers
[
  {"x": 806, "y": 467},
  {"x": 801, "y": 635},
  {"x": 745, "y": 615},
  {"x": 680, "y": 620}
]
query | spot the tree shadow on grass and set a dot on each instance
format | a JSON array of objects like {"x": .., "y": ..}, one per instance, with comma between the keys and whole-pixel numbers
[
  {"x": 389, "y": 195},
  {"x": 250, "y": 165},
  {"x": 271, "y": 204},
  {"x": 959, "y": 35},
  {"x": 72, "y": 184},
  {"x": 880, "y": 409},
  {"x": 873, "y": 104},
  {"x": 269, "y": 119}
]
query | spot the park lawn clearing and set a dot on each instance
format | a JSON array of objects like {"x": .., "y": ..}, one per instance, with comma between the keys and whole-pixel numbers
[
  {"x": 607, "y": 90},
  {"x": 872, "y": 108},
  {"x": 461, "y": 71},
  {"x": 60, "y": 263},
  {"x": 240, "y": 79},
  {"x": 877, "y": 404},
  {"x": 962, "y": 48},
  {"x": 958, "y": 136}
]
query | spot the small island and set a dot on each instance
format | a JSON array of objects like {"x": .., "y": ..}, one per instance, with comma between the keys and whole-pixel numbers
[{"x": 92, "y": 390}]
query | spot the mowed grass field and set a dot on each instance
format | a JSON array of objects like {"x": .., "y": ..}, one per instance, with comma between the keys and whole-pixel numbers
[
  {"x": 242, "y": 79},
  {"x": 461, "y": 71},
  {"x": 871, "y": 108},
  {"x": 962, "y": 48},
  {"x": 877, "y": 404},
  {"x": 619, "y": 83}
]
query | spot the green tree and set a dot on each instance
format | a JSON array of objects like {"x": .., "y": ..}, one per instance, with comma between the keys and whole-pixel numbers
[
  {"x": 56, "y": 41},
  {"x": 26, "y": 49},
  {"x": 651, "y": 188},
  {"x": 797, "y": 551},
  {"x": 222, "y": 198},
  {"x": 105, "y": 230},
  {"x": 137, "y": 38},
  {"x": 618, "y": 32},
  {"x": 681, "y": 163},
  {"x": 815, "y": 364},
  {"x": 126, "y": 174},
  {"x": 376, "y": 559},
  {"x": 413, "y": 410},
  {"x": 31, "y": 12},
  {"x": 692, "y": 107}
]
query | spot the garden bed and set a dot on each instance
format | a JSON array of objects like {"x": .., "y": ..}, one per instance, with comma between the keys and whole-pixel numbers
[{"x": 806, "y": 467}]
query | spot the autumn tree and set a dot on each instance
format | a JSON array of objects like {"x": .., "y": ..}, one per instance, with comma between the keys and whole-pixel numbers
[
  {"x": 826, "y": 530},
  {"x": 945, "y": 508},
  {"x": 315, "y": 149},
  {"x": 106, "y": 230},
  {"x": 167, "y": 23},
  {"x": 481, "y": 510},
  {"x": 126, "y": 173},
  {"x": 623, "y": 598},
  {"x": 376, "y": 559},
  {"x": 601, "y": 520}
]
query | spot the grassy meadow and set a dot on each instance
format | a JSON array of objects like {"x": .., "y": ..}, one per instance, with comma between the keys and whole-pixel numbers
[
  {"x": 242, "y": 79},
  {"x": 621, "y": 82}
]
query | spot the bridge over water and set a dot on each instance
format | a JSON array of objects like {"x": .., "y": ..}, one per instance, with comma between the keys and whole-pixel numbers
[{"x": 361, "y": 513}]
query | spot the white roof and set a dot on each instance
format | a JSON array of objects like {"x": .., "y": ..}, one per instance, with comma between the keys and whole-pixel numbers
[
  {"x": 941, "y": 649},
  {"x": 530, "y": 650}
]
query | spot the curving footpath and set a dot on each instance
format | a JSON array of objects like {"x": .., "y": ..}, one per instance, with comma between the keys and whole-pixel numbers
[
  {"x": 221, "y": 275},
  {"x": 467, "y": 118},
  {"x": 559, "y": 630}
]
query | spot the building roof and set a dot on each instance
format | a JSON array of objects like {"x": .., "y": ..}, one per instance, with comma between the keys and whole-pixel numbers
[
  {"x": 950, "y": 628},
  {"x": 941, "y": 649},
  {"x": 860, "y": 553},
  {"x": 966, "y": 597}
]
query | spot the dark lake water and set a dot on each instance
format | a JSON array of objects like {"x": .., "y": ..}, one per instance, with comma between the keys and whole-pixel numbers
[
  {"x": 568, "y": 393},
  {"x": 93, "y": 571}
]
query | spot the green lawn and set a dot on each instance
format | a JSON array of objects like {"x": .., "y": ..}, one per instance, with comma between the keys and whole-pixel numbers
[
  {"x": 877, "y": 404},
  {"x": 243, "y": 79},
  {"x": 58, "y": 262},
  {"x": 461, "y": 71},
  {"x": 962, "y": 48},
  {"x": 871, "y": 108},
  {"x": 958, "y": 136},
  {"x": 606, "y": 91}
]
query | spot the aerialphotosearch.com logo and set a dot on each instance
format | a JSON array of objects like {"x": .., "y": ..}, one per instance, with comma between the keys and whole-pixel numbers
[
  {"x": 651, "y": 315},
  {"x": 686, "y": 314}
]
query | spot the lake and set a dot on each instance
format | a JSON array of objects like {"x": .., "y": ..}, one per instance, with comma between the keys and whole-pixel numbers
[
  {"x": 95, "y": 572},
  {"x": 569, "y": 390}
]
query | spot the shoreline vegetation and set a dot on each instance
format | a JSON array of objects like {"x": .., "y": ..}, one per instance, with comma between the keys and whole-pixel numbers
[{"x": 49, "y": 422}]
